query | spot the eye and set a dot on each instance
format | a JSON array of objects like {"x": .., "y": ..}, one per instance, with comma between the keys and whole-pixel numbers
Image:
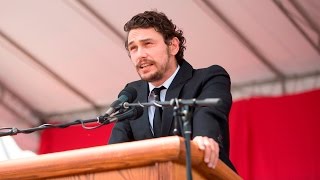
[
  {"x": 148, "y": 43},
  {"x": 132, "y": 48}
]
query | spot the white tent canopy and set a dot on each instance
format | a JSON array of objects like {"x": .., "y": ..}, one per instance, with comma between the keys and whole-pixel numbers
[{"x": 67, "y": 57}]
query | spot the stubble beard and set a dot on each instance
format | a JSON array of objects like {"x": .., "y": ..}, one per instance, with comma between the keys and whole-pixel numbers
[{"x": 157, "y": 75}]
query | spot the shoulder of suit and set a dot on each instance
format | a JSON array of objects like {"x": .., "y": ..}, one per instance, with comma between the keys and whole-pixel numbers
[
  {"x": 213, "y": 68},
  {"x": 216, "y": 69}
]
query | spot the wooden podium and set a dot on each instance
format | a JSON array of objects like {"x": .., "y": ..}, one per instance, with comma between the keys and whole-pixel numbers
[{"x": 161, "y": 158}]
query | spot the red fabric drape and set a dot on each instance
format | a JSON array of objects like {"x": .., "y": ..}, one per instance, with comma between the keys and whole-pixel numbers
[
  {"x": 73, "y": 137},
  {"x": 270, "y": 137},
  {"x": 277, "y": 138}
]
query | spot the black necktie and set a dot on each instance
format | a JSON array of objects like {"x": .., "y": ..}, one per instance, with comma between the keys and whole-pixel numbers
[{"x": 157, "y": 120}]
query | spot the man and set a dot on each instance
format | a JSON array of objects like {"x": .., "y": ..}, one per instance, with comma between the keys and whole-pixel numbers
[{"x": 155, "y": 47}]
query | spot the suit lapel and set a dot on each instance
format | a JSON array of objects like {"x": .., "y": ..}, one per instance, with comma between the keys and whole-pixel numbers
[
  {"x": 142, "y": 124},
  {"x": 184, "y": 74}
]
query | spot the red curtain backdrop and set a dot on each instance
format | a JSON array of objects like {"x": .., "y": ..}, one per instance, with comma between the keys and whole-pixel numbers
[
  {"x": 73, "y": 137},
  {"x": 277, "y": 138},
  {"x": 271, "y": 137}
]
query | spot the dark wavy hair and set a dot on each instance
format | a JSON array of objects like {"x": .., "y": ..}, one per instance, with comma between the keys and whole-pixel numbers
[{"x": 160, "y": 22}]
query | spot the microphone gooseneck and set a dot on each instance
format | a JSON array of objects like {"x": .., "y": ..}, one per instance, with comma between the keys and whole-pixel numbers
[
  {"x": 128, "y": 94},
  {"x": 177, "y": 102},
  {"x": 131, "y": 114}
]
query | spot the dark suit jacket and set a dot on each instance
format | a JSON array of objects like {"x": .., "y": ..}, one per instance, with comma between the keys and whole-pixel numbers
[{"x": 211, "y": 82}]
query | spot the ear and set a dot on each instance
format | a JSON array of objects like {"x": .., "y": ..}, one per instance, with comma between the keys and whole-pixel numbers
[{"x": 174, "y": 46}]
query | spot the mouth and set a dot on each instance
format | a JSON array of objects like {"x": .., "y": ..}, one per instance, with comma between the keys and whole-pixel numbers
[{"x": 145, "y": 65}]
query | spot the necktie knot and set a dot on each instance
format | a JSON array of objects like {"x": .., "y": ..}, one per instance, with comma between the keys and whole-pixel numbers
[{"x": 156, "y": 92}]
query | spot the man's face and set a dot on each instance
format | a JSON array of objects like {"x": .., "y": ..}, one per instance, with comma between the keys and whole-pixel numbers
[{"x": 154, "y": 60}]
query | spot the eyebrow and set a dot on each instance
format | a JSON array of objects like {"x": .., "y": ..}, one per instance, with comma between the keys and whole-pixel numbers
[{"x": 142, "y": 40}]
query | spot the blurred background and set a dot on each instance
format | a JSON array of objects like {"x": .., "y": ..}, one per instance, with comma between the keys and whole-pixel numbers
[{"x": 63, "y": 60}]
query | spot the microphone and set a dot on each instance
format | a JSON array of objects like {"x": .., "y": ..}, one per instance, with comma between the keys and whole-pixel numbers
[
  {"x": 128, "y": 94},
  {"x": 131, "y": 114}
]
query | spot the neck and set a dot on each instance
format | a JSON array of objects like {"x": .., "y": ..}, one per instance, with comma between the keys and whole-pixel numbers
[
  {"x": 166, "y": 76},
  {"x": 168, "y": 80}
]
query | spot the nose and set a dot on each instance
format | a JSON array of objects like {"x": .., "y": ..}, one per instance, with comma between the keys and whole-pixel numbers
[{"x": 141, "y": 53}]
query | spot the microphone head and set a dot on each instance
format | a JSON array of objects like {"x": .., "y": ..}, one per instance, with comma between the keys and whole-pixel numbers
[{"x": 130, "y": 93}]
